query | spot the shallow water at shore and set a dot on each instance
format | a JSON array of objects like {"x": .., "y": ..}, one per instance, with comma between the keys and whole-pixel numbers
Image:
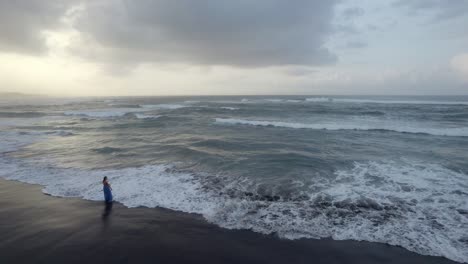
[{"x": 57, "y": 230}]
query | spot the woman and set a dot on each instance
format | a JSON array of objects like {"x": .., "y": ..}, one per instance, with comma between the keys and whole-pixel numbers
[{"x": 107, "y": 190}]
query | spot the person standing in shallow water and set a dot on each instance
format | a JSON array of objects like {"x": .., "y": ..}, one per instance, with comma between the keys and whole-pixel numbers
[{"x": 107, "y": 190}]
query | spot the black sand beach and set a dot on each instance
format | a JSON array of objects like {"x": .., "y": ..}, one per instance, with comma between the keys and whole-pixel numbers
[{"x": 38, "y": 228}]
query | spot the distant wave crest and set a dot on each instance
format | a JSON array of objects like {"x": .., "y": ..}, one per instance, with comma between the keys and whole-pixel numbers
[
  {"x": 102, "y": 113},
  {"x": 229, "y": 108},
  {"x": 454, "y": 132},
  {"x": 372, "y": 101},
  {"x": 165, "y": 106}
]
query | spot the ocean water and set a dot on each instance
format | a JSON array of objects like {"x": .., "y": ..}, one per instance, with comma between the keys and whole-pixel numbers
[{"x": 382, "y": 169}]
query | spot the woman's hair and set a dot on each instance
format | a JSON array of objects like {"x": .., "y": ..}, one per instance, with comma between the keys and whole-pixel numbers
[{"x": 105, "y": 179}]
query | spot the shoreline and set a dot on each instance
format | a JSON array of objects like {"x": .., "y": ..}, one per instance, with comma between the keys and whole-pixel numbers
[{"x": 40, "y": 228}]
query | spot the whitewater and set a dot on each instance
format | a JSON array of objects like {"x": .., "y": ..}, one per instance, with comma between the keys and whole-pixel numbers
[{"x": 381, "y": 169}]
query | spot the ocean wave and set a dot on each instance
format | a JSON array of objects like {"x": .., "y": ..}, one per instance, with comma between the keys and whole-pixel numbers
[
  {"x": 13, "y": 140},
  {"x": 349, "y": 100},
  {"x": 107, "y": 150},
  {"x": 319, "y": 99},
  {"x": 21, "y": 114},
  {"x": 61, "y": 133},
  {"x": 144, "y": 116},
  {"x": 164, "y": 106},
  {"x": 274, "y": 100},
  {"x": 120, "y": 111},
  {"x": 277, "y": 100},
  {"x": 103, "y": 113},
  {"x": 229, "y": 108},
  {"x": 383, "y": 126},
  {"x": 372, "y": 113},
  {"x": 121, "y": 105},
  {"x": 415, "y": 205}
]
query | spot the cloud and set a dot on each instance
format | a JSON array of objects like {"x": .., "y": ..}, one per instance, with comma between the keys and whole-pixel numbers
[
  {"x": 460, "y": 64},
  {"x": 439, "y": 9},
  {"x": 352, "y": 12},
  {"x": 356, "y": 44},
  {"x": 22, "y": 23},
  {"x": 240, "y": 33}
]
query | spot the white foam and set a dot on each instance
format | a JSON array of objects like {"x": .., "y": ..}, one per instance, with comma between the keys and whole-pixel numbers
[
  {"x": 229, "y": 108},
  {"x": 152, "y": 185},
  {"x": 420, "y": 200},
  {"x": 143, "y": 116},
  {"x": 104, "y": 113},
  {"x": 164, "y": 106},
  {"x": 408, "y": 203},
  {"x": 428, "y": 196},
  {"x": 274, "y": 100},
  {"x": 389, "y": 101},
  {"x": 61, "y": 133},
  {"x": 414, "y": 205},
  {"x": 319, "y": 99},
  {"x": 120, "y": 111},
  {"x": 404, "y": 127}
]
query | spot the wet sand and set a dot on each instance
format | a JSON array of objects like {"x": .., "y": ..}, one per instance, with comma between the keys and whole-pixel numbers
[{"x": 38, "y": 228}]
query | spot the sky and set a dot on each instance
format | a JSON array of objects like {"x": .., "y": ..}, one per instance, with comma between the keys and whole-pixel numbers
[{"x": 243, "y": 47}]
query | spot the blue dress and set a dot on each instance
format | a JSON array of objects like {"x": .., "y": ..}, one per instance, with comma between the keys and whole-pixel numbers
[{"x": 107, "y": 193}]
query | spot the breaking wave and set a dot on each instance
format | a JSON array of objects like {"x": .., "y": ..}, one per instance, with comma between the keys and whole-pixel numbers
[
  {"x": 165, "y": 106},
  {"x": 121, "y": 111},
  {"x": 419, "y": 206},
  {"x": 455, "y": 132},
  {"x": 21, "y": 114},
  {"x": 229, "y": 108},
  {"x": 349, "y": 100},
  {"x": 144, "y": 116},
  {"x": 104, "y": 113}
]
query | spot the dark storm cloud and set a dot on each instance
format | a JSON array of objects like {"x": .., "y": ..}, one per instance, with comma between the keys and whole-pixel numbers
[
  {"x": 22, "y": 21},
  {"x": 213, "y": 32},
  {"x": 441, "y": 9}
]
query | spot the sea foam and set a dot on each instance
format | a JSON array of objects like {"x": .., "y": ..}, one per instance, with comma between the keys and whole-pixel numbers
[
  {"x": 419, "y": 206},
  {"x": 144, "y": 116},
  {"x": 165, "y": 106},
  {"x": 121, "y": 111},
  {"x": 389, "y": 101},
  {"x": 104, "y": 113},
  {"x": 354, "y": 125},
  {"x": 229, "y": 108}
]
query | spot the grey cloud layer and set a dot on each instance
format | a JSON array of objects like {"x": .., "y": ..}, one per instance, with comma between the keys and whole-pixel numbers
[
  {"x": 440, "y": 9},
  {"x": 22, "y": 22},
  {"x": 240, "y": 33}
]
